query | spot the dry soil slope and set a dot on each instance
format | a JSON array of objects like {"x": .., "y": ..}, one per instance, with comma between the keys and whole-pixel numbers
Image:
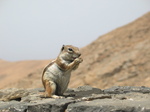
[
  {"x": 20, "y": 74},
  {"x": 121, "y": 57}
]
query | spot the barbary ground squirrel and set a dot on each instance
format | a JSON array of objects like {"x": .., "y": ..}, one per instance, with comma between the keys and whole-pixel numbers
[{"x": 56, "y": 75}]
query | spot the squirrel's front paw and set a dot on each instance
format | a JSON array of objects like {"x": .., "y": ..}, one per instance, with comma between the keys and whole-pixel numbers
[{"x": 78, "y": 60}]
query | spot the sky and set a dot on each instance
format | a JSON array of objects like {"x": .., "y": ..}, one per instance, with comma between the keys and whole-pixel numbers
[{"x": 37, "y": 29}]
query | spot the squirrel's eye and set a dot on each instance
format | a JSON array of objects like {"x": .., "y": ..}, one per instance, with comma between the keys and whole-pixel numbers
[{"x": 69, "y": 49}]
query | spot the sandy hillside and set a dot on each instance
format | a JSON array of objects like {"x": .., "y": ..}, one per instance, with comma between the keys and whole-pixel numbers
[
  {"x": 121, "y": 57},
  {"x": 12, "y": 73}
]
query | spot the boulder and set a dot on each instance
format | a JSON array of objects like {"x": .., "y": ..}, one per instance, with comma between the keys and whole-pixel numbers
[{"x": 81, "y": 99}]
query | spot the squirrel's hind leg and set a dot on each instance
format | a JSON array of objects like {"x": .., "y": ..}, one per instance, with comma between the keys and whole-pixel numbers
[{"x": 50, "y": 88}]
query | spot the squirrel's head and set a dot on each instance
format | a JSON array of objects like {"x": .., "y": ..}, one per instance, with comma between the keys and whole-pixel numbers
[{"x": 69, "y": 53}]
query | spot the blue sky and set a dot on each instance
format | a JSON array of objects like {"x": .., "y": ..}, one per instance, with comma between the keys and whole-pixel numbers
[{"x": 36, "y": 29}]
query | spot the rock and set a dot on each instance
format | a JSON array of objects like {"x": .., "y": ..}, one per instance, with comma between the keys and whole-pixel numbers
[
  {"x": 13, "y": 94},
  {"x": 110, "y": 105},
  {"x": 12, "y": 106},
  {"x": 83, "y": 99},
  {"x": 127, "y": 89},
  {"x": 83, "y": 91},
  {"x": 50, "y": 105},
  {"x": 18, "y": 107}
]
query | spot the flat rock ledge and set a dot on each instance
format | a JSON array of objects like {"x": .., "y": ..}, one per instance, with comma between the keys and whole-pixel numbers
[{"x": 81, "y": 99}]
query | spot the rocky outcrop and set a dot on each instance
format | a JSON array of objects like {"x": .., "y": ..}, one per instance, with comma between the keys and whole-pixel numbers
[{"x": 81, "y": 99}]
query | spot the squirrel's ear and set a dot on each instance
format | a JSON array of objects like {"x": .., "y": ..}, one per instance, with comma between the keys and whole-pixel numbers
[{"x": 62, "y": 48}]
